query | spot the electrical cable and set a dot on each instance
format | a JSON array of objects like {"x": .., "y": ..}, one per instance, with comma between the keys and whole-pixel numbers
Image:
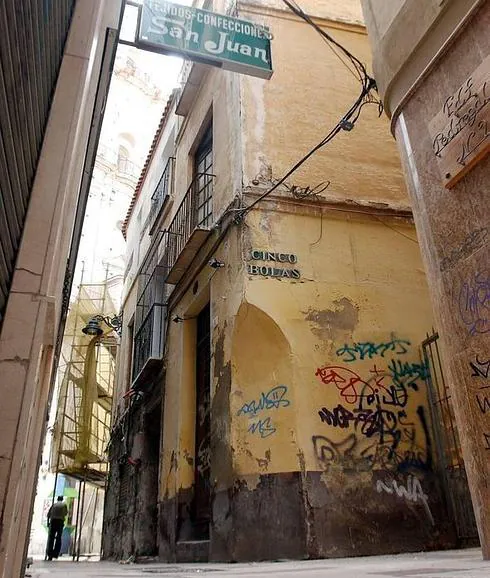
[
  {"x": 326, "y": 38},
  {"x": 346, "y": 123}
]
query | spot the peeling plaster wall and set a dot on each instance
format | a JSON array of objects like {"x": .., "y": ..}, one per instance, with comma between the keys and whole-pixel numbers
[
  {"x": 309, "y": 92},
  {"x": 332, "y": 390},
  {"x": 224, "y": 292}
]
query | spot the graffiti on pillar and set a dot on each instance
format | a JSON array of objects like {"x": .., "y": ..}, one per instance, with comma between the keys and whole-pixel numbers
[
  {"x": 411, "y": 491},
  {"x": 480, "y": 372},
  {"x": 473, "y": 241},
  {"x": 473, "y": 299},
  {"x": 487, "y": 440},
  {"x": 389, "y": 430},
  {"x": 270, "y": 401},
  {"x": 480, "y": 368}
]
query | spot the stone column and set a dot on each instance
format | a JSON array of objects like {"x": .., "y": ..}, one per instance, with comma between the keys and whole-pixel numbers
[{"x": 454, "y": 232}]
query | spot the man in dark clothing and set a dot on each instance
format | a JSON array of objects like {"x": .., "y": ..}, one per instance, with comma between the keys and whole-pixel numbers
[{"x": 56, "y": 521}]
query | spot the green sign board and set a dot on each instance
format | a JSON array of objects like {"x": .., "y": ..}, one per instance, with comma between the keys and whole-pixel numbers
[{"x": 203, "y": 36}]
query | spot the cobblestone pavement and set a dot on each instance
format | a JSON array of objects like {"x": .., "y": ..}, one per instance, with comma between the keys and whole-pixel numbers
[{"x": 449, "y": 564}]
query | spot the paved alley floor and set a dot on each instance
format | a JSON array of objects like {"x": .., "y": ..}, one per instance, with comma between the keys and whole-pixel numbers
[{"x": 449, "y": 564}]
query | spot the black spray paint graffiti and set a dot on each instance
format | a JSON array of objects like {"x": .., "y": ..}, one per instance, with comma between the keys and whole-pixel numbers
[
  {"x": 474, "y": 303},
  {"x": 481, "y": 370},
  {"x": 487, "y": 440},
  {"x": 368, "y": 349},
  {"x": 274, "y": 399},
  {"x": 412, "y": 492},
  {"x": 361, "y": 453},
  {"x": 375, "y": 406},
  {"x": 381, "y": 422}
]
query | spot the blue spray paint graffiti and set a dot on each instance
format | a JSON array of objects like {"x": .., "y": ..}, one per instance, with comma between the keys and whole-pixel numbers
[
  {"x": 274, "y": 399},
  {"x": 474, "y": 303},
  {"x": 264, "y": 427},
  {"x": 368, "y": 349}
]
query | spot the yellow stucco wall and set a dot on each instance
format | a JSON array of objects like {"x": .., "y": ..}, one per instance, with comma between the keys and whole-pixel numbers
[
  {"x": 310, "y": 91},
  {"x": 361, "y": 282},
  {"x": 361, "y": 278},
  {"x": 224, "y": 289}
]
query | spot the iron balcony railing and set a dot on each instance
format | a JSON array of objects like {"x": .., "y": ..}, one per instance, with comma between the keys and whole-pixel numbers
[
  {"x": 195, "y": 212},
  {"x": 150, "y": 314},
  {"x": 127, "y": 167},
  {"x": 150, "y": 338},
  {"x": 162, "y": 192}
]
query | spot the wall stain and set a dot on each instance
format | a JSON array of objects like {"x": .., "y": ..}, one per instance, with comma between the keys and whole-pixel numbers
[
  {"x": 220, "y": 410},
  {"x": 327, "y": 323},
  {"x": 188, "y": 458},
  {"x": 264, "y": 462}
]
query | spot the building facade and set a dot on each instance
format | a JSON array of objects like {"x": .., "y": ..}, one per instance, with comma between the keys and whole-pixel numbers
[
  {"x": 435, "y": 84},
  {"x": 271, "y": 400},
  {"x": 56, "y": 60}
]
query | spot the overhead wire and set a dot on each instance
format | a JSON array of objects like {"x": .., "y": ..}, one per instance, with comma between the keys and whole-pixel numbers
[{"x": 347, "y": 122}]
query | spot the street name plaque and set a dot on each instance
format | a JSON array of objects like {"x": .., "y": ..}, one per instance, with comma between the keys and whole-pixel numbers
[{"x": 460, "y": 132}]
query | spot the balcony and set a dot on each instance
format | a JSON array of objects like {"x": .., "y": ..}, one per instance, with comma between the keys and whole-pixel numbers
[
  {"x": 161, "y": 195},
  {"x": 127, "y": 168},
  {"x": 191, "y": 78},
  {"x": 190, "y": 227},
  {"x": 149, "y": 344}
]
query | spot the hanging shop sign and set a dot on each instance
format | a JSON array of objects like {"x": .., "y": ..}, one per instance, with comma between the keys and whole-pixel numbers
[
  {"x": 272, "y": 264},
  {"x": 208, "y": 37},
  {"x": 460, "y": 132}
]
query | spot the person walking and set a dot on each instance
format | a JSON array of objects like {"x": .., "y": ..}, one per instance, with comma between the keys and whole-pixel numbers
[{"x": 56, "y": 522}]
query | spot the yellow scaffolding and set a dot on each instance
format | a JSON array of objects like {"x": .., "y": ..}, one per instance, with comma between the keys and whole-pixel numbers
[{"x": 86, "y": 377}]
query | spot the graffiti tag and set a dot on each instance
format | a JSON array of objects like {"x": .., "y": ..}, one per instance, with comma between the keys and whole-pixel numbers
[
  {"x": 412, "y": 492},
  {"x": 487, "y": 441},
  {"x": 273, "y": 399},
  {"x": 480, "y": 368},
  {"x": 404, "y": 369},
  {"x": 471, "y": 243},
  {"x": 368, "y": 349},
  {"x": 474, "y": 303},
  {"x": 264, "y": 427}
]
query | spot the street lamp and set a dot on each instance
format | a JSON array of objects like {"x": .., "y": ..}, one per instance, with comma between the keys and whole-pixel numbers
[{"x": 93, "y": 327}]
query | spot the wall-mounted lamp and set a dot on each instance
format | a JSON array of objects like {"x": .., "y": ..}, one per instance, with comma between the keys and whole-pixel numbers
[
  {"x": 179, "y": 319},
  {"x": 215, "y": 264},
  {"x": 93, "y": 327}
]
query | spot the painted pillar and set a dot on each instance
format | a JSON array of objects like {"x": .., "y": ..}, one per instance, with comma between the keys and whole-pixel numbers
[{"x": 453, "y": 226}]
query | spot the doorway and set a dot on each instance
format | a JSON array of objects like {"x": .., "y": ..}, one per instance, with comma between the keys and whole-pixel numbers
[
  {"x": 201, "y": 507},
  {"x": 148, "y": 545}
]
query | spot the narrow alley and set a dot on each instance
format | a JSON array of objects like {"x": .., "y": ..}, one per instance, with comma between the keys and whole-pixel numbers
[{"x": 451, "y": 563}]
